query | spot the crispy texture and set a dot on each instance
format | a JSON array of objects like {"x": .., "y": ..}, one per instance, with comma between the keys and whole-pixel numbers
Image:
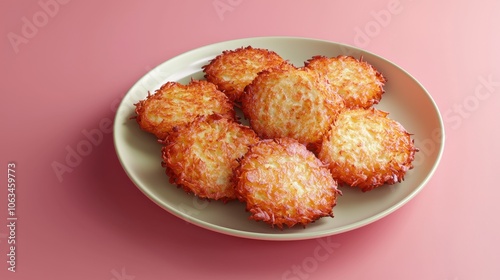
[
  {"x": 358, "y": 82},
  {"x": 283, "y": 183},
  {"x": 232, "y": 70},
  {"x": 201, "y": 156},
  {"x": 366, "y": 149},
  {"x": 291, "y": 102},
  {"x": 176, "y": 104}
]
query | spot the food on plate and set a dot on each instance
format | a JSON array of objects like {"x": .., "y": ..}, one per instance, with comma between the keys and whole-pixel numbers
[
  {"x": 358, "y": 82},
  {"x": 232, "y": 70},
  {"x": 310, "y": 130},
  {"x": 367, "y": 149},
  {"x": 285, "y": 184},
  {"x": 176, "y": 104},
  {"x": 291, "y": 102},
  {"x": 200, "y": 156}
]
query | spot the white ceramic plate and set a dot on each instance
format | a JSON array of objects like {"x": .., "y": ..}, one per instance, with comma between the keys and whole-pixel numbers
[{"x": 405, "y": 99}]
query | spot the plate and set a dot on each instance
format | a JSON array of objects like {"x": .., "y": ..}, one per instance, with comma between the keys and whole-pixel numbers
[{"x": 405, "y": 99}]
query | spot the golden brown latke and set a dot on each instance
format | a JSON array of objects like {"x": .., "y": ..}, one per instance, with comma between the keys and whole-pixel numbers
[
  {"x": 283, "y": 183},
  {"x": 365, "y": 148},
  {"x": 232, "y": 70},
  {"x": 358, "y": 82},
  {"x": 200, "y": 156},
  {"x": 291, "y": 102},
  {"x": 176, "y": 104}
]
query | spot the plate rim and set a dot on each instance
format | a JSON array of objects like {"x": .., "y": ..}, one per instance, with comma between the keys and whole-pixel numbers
[{"x": 272, "y": 236}]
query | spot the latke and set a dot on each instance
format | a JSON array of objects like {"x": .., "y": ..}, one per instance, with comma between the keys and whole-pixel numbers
[
  {"x": 232, "y": 70},
  {"x": 176, "y": 104},
  {"x": 200, "y": 156},
  {"x": 358, "y": 82},
  {"x": 291, "y": 102},
  {"x": 283, "y": 183},
  {"x": 366, "y": 149}
]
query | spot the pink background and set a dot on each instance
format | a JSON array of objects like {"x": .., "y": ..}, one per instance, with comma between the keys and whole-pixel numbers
[{"x": 65, "y": 66}]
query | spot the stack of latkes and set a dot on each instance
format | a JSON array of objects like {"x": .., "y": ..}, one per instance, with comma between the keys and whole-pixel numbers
[{"x": 311, "y": 129}]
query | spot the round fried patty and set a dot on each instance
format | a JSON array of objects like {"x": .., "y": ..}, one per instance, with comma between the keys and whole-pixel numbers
[
  {"x": 366, "y": 149},
  {"x": 176, "y": 104},
  {"x": 232, "y": 70},
  {"x": 283, "y": 183},
  {"x": 201, "y": 156},
  {"x": 291, "y": 102},
  {"x": 358, "y": 82}
]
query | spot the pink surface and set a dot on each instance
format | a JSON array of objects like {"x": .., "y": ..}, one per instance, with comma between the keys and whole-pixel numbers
[{"x": 65, "y": 65}]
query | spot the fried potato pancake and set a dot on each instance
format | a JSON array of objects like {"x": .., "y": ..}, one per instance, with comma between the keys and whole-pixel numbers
[
  {"x": 232, "y": 70},
  {"x": 366, "y": 149},
  {"x": 201, "y": 156},
  {"x": 176, "y": 104},
  {"x": 291, "y": 102},
  {"x": 358, "y": 82},
  {"x": 283, "y": 183}
]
